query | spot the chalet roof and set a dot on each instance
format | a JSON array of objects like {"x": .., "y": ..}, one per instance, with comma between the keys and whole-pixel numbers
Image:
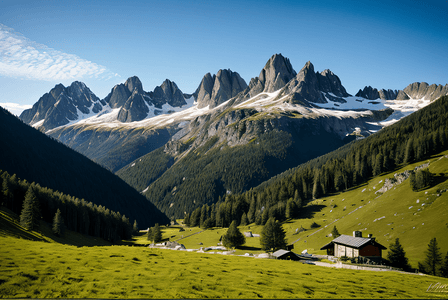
[
  {"x": 280, "y": 252},
  {"x": 355, "y": 242}
]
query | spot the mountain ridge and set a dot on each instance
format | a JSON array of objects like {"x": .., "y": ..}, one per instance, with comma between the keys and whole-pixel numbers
[{"x": 282, "y": 117}]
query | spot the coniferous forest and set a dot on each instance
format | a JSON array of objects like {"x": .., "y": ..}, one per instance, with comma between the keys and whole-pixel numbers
[
  {"x": 33, "y": 156},
  {"x": 34, "y": 203},
  {"x": 413, "y": 138}
]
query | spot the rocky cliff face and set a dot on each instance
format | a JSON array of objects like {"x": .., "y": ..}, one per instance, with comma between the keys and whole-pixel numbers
[
  {"x": 216, "y": 89},
  {"x": 167, "y": 93},
  {"x": 309, "y": 86},
  {"x": 276, "y": 74},
  {"x": 421, "y": 90},
  {"x": 62, "y": 105},
  {"x": 372, "y": 93},
  {"x": 415, "y": 90}
]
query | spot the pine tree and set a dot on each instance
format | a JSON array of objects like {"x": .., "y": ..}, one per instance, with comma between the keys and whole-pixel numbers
[
  {"x": 233, "y": 238},
  {"x": 335, "y": 233},
  {"x": 297, "y": 199},
  {"x": 397, "y": 256},
  {"x": 30, "y": 215},
  {"x": 57, "y": 223},
  {"x": 187, "y": 220},
  {"x": 156, "y": 233},
  {"x": 150, "y": 235},
  {"x": 272, "y": 236},
  {"x": 244, "y": 220},
  {"x": 444, "y": 267},
  {"x": 433, "y": 257},
  {"x": 135, "y": 227}
]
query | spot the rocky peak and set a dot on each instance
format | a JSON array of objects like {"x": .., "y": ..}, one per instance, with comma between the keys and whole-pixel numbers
[
  {"x": 60, "y": 105},
  {"x": 168, "y": 93},
  {"x": 330, "y": 83},
  {"x": 276, "y": 73},
  {"x": 216, "y": 89},
  {"x": 134, "y": 83},
  {"x": 57, "y": 90},
  {"x": 422, "y": 90},
  {"x": 309, "y": 86}
]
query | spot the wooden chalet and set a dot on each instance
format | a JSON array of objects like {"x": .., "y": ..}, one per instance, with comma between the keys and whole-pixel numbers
[
  {"x": 285, "y": 254},
  {"x": 355, "y": 246}
]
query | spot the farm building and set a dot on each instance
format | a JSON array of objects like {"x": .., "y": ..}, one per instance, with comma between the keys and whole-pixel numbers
[
  {"x": 355, "y": 246},
  {"x": 285, "y": 254}
]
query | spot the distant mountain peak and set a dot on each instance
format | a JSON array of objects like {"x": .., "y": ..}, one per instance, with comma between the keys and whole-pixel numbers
[
  {"x": 134, "y": 83},
  {"x": 216, "y": 89},
  {"x": 276, "y": 73}
]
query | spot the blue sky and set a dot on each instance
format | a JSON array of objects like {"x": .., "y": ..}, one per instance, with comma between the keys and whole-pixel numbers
[{"x": 101, "y": 43}]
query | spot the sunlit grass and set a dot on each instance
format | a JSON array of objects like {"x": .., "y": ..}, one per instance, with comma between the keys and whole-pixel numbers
[{"x": 49, "y": 270}]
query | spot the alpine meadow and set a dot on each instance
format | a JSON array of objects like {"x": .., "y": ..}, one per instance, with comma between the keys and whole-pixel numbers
[{"x": 139, "y": 161}]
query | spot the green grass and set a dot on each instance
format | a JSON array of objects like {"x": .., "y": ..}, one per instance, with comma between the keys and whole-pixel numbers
[
  {"x": 40, "y": 265},
  {"x": 342, "y": 210},
  {"x": 404, "y": 218},
  {"x": 51, "y": 270}
]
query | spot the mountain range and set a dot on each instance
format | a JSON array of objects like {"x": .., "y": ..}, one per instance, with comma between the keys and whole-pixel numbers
[{"x": 183, "y": 150}]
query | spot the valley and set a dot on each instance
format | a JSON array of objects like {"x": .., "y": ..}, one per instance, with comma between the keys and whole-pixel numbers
[{"x": 289, "y": 146}]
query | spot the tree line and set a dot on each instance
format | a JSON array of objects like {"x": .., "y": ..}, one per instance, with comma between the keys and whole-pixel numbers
[
  {"x": 34, "y": 203},
  {"x": 414, "y": 138}
]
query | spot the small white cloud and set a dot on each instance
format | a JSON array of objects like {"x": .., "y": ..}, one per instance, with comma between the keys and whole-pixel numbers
[
  {"x": 20, "y": 57},
  {"x": 15, "y": 108}
]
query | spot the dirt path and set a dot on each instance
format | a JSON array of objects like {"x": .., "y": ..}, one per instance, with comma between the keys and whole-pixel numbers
[{"x": 189, "y": 235}]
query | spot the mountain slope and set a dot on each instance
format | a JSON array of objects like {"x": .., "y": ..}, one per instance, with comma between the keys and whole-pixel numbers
[
  {"x": 235, "y": 136},
  {"x": 35, "y": 157}
]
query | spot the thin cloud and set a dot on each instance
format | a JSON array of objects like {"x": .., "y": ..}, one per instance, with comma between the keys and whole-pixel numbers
[
  {"x": 15, "y": 108},
  {"x": 20, "y": 57}
]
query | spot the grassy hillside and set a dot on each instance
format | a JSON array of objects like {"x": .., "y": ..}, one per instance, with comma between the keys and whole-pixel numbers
[
  {"x": 43, "y": 270},
  {"x": 10, "y": 227},
  {"x": 38, "y": 265},
  {"x": 413, "y": 217}
]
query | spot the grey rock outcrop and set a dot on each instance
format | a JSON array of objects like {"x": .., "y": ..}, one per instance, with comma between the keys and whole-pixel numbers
[
  {"x": 309, "y": 86},
  {"x": 61, "y": 105},
  {"x": 216, "y": 89},
  {"x": 276, "y": 74},
  {"x": 415, "y": 90},
  {"x": 372, "y": 93},
  {"x": 133, "y": 101},
  {"x": 168, "y": 93},
  {"x": 422, "y": 90}
]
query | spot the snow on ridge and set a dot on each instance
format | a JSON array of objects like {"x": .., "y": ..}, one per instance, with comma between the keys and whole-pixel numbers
[
  {"x": 353, "y": 107},
  {"x": 38, "y": 123}
]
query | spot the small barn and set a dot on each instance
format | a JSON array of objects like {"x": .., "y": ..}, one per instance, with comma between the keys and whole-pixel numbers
[
  {"x": 354, "y": 246},
  {"x": 285, "y": 254}
]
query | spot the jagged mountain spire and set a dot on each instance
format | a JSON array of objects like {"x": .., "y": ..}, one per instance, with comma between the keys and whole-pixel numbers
[{"x": 216, "y": 89}]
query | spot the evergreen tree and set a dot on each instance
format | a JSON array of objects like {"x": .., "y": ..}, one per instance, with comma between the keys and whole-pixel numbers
[
  {"x": 57, "y": 223},
  {"x": 233, "y": 238},
  {"x": 244, "y": 220},
  {"x": 444, "y": 267},
  {"x": 135, "y": 227},
  {"x": 251, "y": 212},
  {"x": 335, "y": 233},
  {"x": 397, "y": 256},
  {"x": 156, "y": 233},
  {"x": 272, "y": 236},
  {"x": 187, "y": 220},
  {"x": 433, "y": 258},
  {"x": 29, "y": 218},
  {"x": 265, "y": 215},
  {"x": 297, "y": 199},
  {"x": 150, "y": 235}
]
